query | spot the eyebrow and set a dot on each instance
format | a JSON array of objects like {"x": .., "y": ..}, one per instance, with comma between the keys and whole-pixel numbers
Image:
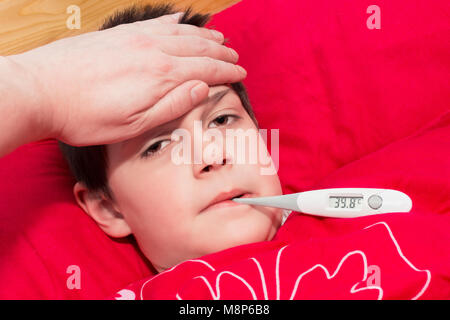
[
  {"x": 166, "y": 129},
  {"x": 216, "y": 97},
  {"x": 212, "y": 102}
]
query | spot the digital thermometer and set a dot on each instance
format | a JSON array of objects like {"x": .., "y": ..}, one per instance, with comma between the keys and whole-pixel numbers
[{"x": 338, "y": 202}]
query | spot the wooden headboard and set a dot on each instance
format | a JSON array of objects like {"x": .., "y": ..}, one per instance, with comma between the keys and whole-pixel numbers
[{"x": 27, "y": 24}]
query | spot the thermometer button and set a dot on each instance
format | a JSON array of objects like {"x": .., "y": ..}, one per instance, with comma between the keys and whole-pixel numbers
[{"x": 375, "y": 201}]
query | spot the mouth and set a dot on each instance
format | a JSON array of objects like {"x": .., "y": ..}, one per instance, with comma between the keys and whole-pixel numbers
[{"x": 224, "y": 199}]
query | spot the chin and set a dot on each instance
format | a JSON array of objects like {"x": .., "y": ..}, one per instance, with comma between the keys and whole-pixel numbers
[
  {"x": 251, "y": 227},
  {"x": 248, "y": 235}
]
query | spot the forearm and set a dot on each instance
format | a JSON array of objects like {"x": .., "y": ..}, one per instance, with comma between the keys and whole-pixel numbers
[{"x": 22, "y": 118}]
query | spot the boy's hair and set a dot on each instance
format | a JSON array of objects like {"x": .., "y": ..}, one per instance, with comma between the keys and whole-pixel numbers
[{"x": 89, "y": 164}]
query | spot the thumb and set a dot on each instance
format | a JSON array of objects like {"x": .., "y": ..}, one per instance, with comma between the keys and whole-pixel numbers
[{"x": 175, "y": 103}]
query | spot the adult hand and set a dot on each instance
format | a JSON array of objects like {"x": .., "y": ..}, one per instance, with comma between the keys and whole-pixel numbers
[{"x": 111, "y": 85}]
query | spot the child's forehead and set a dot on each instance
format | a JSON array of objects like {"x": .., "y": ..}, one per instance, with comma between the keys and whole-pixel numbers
[{"x": 216, "y": 94}]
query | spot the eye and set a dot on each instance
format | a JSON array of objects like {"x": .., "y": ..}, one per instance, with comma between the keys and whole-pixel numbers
[
  {"x": 155, "y": 148},
  {"x": 225, "y": 119}
]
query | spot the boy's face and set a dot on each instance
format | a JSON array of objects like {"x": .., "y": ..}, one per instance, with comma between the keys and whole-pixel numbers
[{"x": 165, "y": 204}]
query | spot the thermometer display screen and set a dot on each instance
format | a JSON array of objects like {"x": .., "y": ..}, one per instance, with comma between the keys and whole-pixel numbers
[{"x": 345, "y": 202}]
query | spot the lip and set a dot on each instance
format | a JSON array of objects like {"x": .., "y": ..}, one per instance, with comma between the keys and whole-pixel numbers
[{"x": 223, "y": 199}]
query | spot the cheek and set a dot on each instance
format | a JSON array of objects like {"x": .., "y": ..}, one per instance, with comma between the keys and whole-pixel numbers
[
  {"x": 267, "y": 184},
  {"x": 266, "y": 168},
  {"x": 145, "y": 196},
  {"x": 273, "y": 184},
  {"x": 147, "y": 200}
]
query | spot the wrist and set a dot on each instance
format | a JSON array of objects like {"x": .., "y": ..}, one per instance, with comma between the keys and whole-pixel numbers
[{"x": 28, "y": 98}]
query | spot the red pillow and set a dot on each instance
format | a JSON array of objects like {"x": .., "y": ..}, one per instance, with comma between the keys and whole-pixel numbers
[
  {"x": 336, "y": 91},
  {"x": 49, "y": 248}
]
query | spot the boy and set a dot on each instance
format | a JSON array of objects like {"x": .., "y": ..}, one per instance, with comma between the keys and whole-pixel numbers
[{"x": 177, "y": 211}]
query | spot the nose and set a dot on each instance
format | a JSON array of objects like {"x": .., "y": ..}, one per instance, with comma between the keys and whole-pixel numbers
[{"x": 214, "y": 157}]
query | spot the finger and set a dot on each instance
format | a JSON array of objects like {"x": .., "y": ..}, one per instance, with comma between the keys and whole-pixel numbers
[
  {"x": 193, "y": 46},
  {"x": 175, "y": 103},
  {"x": 180, "y": 30},
  {"x": 206, "y": 69},
  {"x": 166, "y": 19}
]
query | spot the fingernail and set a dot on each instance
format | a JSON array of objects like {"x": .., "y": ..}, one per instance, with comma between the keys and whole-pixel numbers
[
  {"x": 234, "y": 53},
  {"x": 242, "y": 70},
  {"x": 177, "y": 16},
  {"x": 218, "y": 35},
  {"x": 195, "y": 93}
]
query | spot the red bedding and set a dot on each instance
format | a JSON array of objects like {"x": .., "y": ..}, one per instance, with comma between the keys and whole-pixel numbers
[
  {"x": 388, "y": 256},
  {"x": 354, "y": 110},
  {"x": 354, "y": 107}
]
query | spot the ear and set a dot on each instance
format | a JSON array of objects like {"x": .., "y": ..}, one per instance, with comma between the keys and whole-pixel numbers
[{"x": 102, "y": 210}]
